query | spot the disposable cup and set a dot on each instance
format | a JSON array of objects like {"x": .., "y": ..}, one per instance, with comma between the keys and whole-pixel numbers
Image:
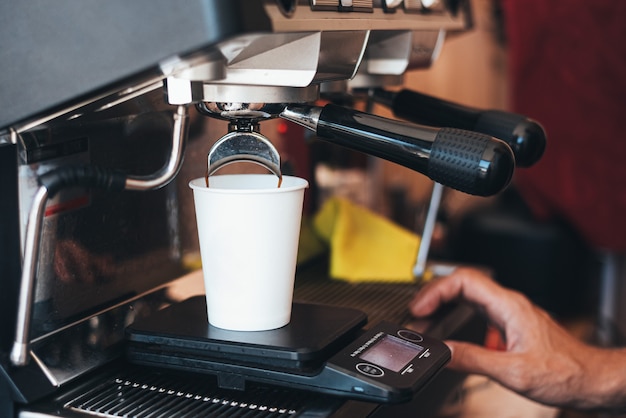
[{"x": 248, "y": 230}]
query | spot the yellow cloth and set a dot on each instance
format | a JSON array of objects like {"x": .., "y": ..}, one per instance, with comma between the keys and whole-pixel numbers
[
  {"x": 310, "y": 246},
  {"x": 365, "y": 246}
]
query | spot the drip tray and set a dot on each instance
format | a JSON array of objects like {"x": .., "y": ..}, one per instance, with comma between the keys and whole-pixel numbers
[{"x": 137, "y": 392}]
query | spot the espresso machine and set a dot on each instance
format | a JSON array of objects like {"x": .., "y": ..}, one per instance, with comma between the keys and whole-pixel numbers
[{"x": 100, "y": 101}]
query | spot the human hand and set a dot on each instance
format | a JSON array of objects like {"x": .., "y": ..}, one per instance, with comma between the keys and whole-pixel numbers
[
  {"x": 542, "y": 361},
  {"x": 75, "y": 263}
]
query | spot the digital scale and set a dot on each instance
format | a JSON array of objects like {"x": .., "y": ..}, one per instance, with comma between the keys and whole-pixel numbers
[{"x": 323, "y": 349}]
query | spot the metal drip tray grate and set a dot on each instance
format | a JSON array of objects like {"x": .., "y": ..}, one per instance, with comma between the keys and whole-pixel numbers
[
  {"x": 380, "y": 301},
  {"x": 160, "y": 394}
]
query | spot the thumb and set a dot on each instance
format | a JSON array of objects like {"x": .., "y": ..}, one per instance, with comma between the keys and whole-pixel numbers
[{"x": 474, "y": 359}]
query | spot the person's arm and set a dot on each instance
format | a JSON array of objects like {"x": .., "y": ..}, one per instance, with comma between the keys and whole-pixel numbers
[{"x": 542, "y": 361}]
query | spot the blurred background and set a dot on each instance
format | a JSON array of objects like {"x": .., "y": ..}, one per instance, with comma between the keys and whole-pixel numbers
[
  {"x": 557, "y": 232},
  {"x": 553, "y": 230}
]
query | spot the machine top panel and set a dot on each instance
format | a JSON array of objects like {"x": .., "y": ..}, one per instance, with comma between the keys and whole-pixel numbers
[{"x": 56, "y": 59}]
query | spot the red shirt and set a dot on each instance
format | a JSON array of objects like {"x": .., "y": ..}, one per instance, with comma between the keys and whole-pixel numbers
[{"x": 568, "y": 72}]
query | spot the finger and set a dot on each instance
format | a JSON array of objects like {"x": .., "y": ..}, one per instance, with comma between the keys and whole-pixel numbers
[
  {"x": 436, "y": 293},
  {"x": 474, "y": 359},
  {"x": 425, "y": 301},
  {"x": 473, "y": 286}
]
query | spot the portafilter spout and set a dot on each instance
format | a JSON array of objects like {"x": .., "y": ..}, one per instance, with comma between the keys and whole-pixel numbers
[
  {"x": 243, "y": 143},
  {"x": 468, "y": 161},
  {"x": 238, "y": 146}
]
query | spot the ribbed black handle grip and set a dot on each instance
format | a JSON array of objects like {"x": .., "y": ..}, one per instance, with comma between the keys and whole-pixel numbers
[
  {"x": 526, "y": 137},
  {"x": 85, "y": 176},
  {"x": 470, "y": 161}
]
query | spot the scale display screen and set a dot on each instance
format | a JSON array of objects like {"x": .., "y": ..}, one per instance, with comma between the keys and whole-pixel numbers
[{"x": 392, "y": 353}]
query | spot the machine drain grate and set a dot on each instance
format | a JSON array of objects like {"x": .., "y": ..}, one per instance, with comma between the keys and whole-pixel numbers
[
  {"x": 380, "y": 301},
  {"x": 154, "y": 394}
]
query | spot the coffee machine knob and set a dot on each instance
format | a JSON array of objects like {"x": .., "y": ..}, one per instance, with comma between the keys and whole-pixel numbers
[{"x": 392, "y": 4}]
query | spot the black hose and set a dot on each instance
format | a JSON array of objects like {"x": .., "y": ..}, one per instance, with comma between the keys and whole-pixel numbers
[{"x": 85, "y": 176}]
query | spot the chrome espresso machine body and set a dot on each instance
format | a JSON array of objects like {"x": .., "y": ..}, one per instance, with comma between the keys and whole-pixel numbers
[{"x": 96, "y": 102}]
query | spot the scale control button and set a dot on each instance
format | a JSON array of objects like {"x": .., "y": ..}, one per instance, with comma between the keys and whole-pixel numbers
[
  {"x": 408, "y": 370},
  {"x": 370, "y": 370},
  {"x": 410, "y": 335}
]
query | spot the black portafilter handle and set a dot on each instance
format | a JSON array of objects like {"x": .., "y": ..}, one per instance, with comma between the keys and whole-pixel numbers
[
  {"x": 471, "y": 162},
  {"x": 525, "y": 136}
]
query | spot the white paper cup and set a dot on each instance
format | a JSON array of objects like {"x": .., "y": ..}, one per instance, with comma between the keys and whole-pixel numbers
[{"x": 249, "y": 230}]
